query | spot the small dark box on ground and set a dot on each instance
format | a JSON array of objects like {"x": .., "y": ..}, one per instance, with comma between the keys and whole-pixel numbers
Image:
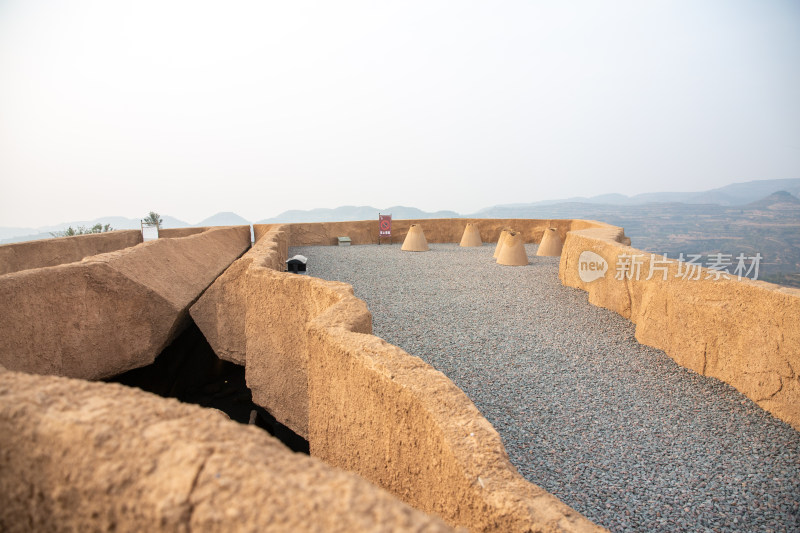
[{"x": 297, "y": 264}]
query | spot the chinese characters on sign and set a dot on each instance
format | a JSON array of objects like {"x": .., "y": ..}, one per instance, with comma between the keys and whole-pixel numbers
[
  {"x": 385, "y": 224},
  {"x": 718, "y": 266}
]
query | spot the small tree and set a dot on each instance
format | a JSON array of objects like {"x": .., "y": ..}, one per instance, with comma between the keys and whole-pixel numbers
[
  {"x": 82, "y": 230},
  {"x": 69, "y": 232},
  {"x": 153, "y": 219}
]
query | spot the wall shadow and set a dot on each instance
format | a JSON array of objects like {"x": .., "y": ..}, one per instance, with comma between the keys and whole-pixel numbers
[{"x": 189, "y": 371}]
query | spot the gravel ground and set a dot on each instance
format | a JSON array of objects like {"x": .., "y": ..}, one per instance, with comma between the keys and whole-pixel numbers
[{"x": 615, "y": 429}]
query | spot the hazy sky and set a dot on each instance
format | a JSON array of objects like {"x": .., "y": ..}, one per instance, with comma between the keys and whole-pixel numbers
[{"x": 190, "y": 108}]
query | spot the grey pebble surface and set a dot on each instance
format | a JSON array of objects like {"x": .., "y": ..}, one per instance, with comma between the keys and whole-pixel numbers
[{"x": 615, "y": 429}]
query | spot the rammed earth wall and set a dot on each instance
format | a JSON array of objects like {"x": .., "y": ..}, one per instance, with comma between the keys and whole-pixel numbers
[
  {"x": 91, "y": 456},
  {"x": 745, "y": 333},
  {"x": 82, "y": 456},
  {"x": 363, "y": 404},
  {"x": 110, "y": 312},
  {"x": 51, "y": 252},
  {"x": 436, "y": 230}
]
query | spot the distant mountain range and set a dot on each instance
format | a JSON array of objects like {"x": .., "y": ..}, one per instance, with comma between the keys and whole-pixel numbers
[
  {"x": 610, "y": 207},
  {"x": 226, "y": 218},
  {"x": 730, "y": 195},
  {"x": 772, "y": 194},
  {"x": 349, "y": 212}
]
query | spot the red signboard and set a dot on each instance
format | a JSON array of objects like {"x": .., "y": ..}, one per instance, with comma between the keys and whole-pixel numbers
[{"x": 385, "y": 224}]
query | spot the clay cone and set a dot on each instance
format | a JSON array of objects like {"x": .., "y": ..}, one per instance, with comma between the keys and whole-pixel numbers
[
  {"x": 415, "y": 240},
  {"x": 472, "y": 236},
  {"x": 500, "y": 240},
  {"x": 513, "y": 251},
  {"x": 551, "y": 243}
]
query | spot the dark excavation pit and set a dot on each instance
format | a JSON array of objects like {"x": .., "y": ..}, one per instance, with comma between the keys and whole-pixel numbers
[{"x": 189, "y": 371}]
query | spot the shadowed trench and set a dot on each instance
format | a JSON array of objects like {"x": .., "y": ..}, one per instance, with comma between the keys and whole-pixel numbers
[{"x": 189, "y": 371}]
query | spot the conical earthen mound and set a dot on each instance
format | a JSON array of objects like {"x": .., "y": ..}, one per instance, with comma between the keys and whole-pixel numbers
[
  {"x": 513, "y": 251},
  {"x": 472, "y": 236},
  {"x": 500, "y": 240},
  {"x": 551, "y": 243},
  {"x": 415, "y": 240}
]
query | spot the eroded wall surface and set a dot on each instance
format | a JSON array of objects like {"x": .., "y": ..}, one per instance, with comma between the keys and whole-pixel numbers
[
  {"x": 389, "y": 416},
  {"x": 366, "y": 405},
  {"x": 51, "y": 252},
  {"x": 81, "y": 456},
  {"x": 177, "y": 233},
  {"x": 745, "y": 333},
  {"x": 110, "y": 312},
  {"x": 220, "y": 312},
  {"x": 436, "y": 230}
]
